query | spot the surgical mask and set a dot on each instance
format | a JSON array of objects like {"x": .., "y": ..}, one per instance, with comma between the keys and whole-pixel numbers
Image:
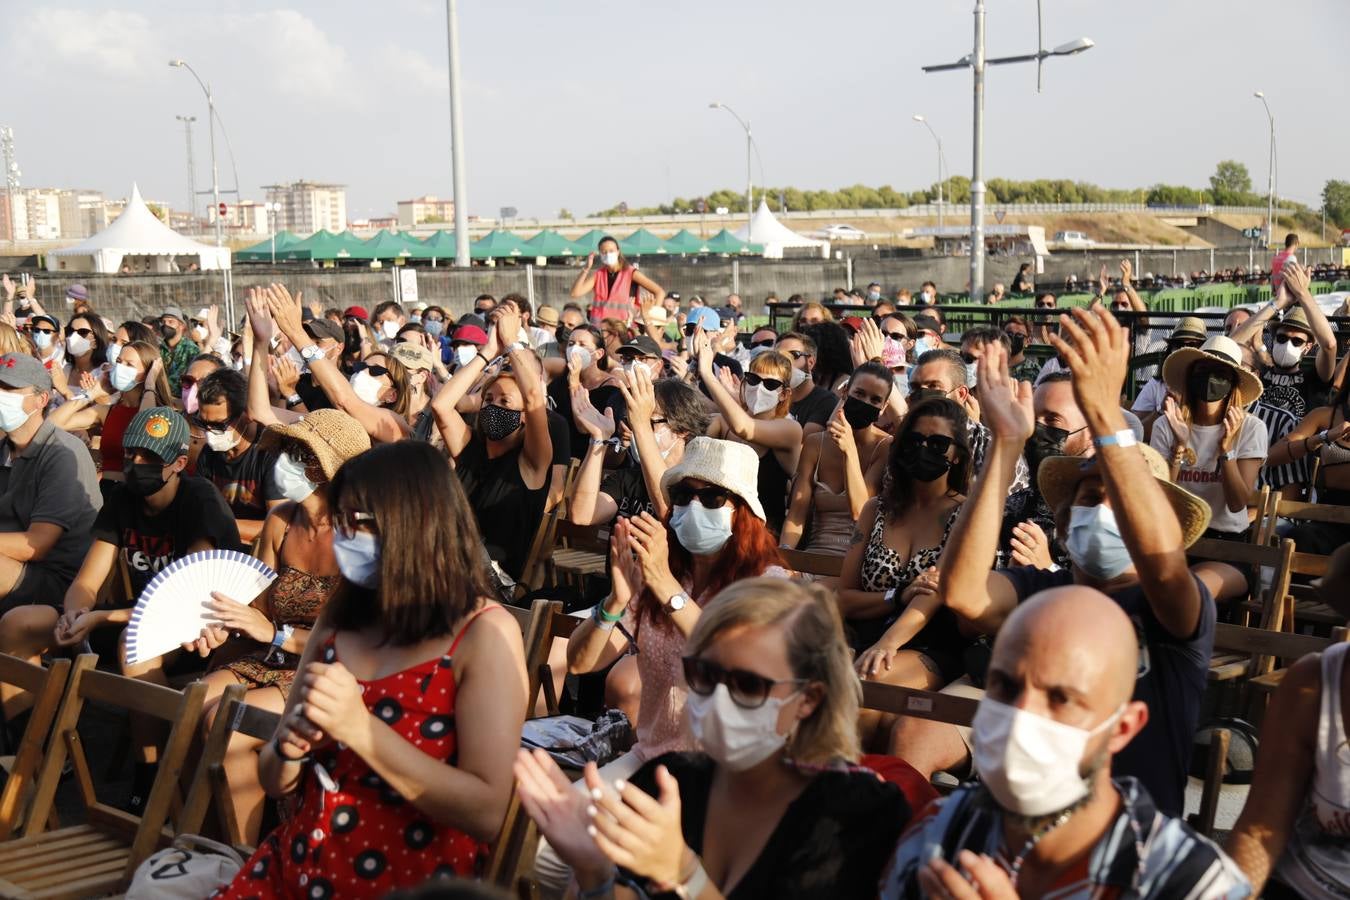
[
  {"x": 389, "y": 328},
  {"x": 925, "y": 298},
  {"x": 610, "y": 259},
  {"x": 925, "y": 464},
  {"x": 144, "y": 479},
  {"x": 581, "y": 356},
  {"x": 733, "y": 736},
  {"x": 1285, "y": 355},
  {"x": 759, "y": 399},
  {"x": 123, "y": 377},
  {"x": 298, "y": 360},
  {"x": 1030, "y": 764},
  {"x": 42, "y": 340},
  {"x": 1095, "y": 544},
  {"x": 665, "y": 451},
  {"x": 464, "y": 354},
  {"x": 902, "y": 383},
  {"x": 12, "y": 415},
  {"x": 700, "y": 530},
  {"x": 113, "y": 354},
  {"x": 874, "y": 296},
  {"x": 971, "y": 380},
  {"x": 497, "y": 422},
  {"x": 798, "y": 376},
  {"x": 860, "y": 413},
  {"x": 190, "y": 404},
  {"x": 366, "y": 387},
  {"x": 434, "y": 327},
  {"x": 358, "y": 558},
  {"x": 922, "y": 346},
  {"x": 238, "y": 363},
  {"x": 77, "y": 345},
  {"x": 415, "y": 317},
  {"x": 199, "y": 333},
  {"x": 291, "y": 479},
  {"x": 756, "y": 351},
  {"x": 222, "y": 442}
]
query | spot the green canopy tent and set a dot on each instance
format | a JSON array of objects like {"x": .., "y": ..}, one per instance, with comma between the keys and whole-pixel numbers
[
  {"x": 642, "y": 243},
  {"x": 355, "y": 247},
  {"x": 386, "y": 245},
  {"x": 497, "y": 244},
  {"x": 549, "y": 243},
  {"x": 586, "y": 244},
  {"x": 726, "y": 242},
  {"x": 440, "y": 245},
  {"x": 321, "y": 245},
  {"x": 262, "y": 252},
  {"x": 685, "y": 241}
]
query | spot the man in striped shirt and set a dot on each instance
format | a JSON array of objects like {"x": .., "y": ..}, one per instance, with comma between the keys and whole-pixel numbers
[
  {"x": 1047, "y": 819},
  {"x": 1279, "y": 422}
]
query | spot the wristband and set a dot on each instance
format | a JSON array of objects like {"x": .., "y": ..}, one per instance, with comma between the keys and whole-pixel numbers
[
  {"x": 604, "y": 889},
  {"x": 486, "y": 361},
  {"x": 890, "y": 597},
  {"x": 1123, "y": 438}
]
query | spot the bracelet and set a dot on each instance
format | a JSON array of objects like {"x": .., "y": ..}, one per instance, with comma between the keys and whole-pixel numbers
[
  {"x": 1123, "y": 438},
  {"x": 486, "y": 361},
  {"x": 890, "y": 597},
  {"x": 606, "y": 615},
  {"x": 276, "y": 748},
  {"x": 598, "y": 618},
  {"x": 604, "y": 889}
]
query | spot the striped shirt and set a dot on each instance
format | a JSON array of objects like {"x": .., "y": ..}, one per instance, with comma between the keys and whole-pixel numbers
[
  {"x": 1141, "y": 854},
  {"x": 1279, "y": 422}
]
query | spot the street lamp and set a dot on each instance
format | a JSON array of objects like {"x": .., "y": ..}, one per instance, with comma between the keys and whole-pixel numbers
[
  {"x": 211, "y": 125},
  {"x": 459, "y": 183},
  {"x": 272, "y": 209},
  {"x": 976, "y": 62},
  {"x": 192, "y": 178},
  {"x": 942, "y": 161},
  {"x": 1270, "y": 173},
  {"x": 749, "y": 147}
]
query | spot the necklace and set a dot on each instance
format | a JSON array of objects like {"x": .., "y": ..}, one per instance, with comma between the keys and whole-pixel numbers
[{"x": 1035, "y": 839}]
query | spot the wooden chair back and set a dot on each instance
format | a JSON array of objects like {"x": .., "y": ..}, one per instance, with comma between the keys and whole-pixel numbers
[
  {"x": 1252, "y": 558},
  {"x": 821, "y": 564},
  {"x": 533, "y": 624},
  {"x": 902, "y": 701},
  {"x": 578, "y": 551},
  {"x": 558, "y": 625},
  {"x": 512, "y": 856},
  {"x": 46, "y": 686}
]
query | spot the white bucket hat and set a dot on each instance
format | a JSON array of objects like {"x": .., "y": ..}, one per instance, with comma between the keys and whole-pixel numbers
[{"x": 726, "y": 464}]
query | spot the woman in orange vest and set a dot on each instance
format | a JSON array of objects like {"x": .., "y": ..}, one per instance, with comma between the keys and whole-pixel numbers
[{"x": 614, "y": 286}]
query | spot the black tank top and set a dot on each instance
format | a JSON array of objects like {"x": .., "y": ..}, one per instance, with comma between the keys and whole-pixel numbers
[{"x": 507, "y": 509}]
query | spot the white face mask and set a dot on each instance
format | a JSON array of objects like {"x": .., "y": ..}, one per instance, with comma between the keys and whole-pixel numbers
[
  {"x": 581, "y": 356},
  {"x": 12, "y": 414},
  {"x": 358, "y": 558},
  {"x": 223, "y": 442},
  {"x": 238, "y": 364},
  {"x": 798, "y": 376},
  {"x": 113, "y": 353},
  {"x": 665, "y": 442},
  {"x": 1285, "y": 355},
  {"x": 464, "y": 354},
  {"x": 735, "y": 737},
  {"x": 123, "y": 377},
  {"x": 759, "y": 399},
  {"x": 199, "y": 333},
  {"x": 700, "y": 530},
  {"x": 922, "y": 346},
  {"x": 971, "y": 378},
  {"x": 610, "y": 259},
  {"x": 298, "y": 360},
  {"x": 1030, "y": 763},
  {"x": 366, "y": 387},
  {"x": 389, "y": 328},
  {"x": 77, "y": 345},
  {"x": 291, "y": 479},
  {"x": 42, "y": 340}
]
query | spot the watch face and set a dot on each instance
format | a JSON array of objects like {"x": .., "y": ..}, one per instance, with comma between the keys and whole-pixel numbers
[{"x": 677, "y": 602}]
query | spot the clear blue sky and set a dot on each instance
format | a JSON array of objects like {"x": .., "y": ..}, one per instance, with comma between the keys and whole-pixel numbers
[{"x": 581, "y": 105}]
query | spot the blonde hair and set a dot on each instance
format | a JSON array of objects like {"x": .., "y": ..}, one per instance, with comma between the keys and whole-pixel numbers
[
  {"x": 14, "y": 341},
  {"x": 772, "y": 364},
  {"x": 816, "y": 651}
]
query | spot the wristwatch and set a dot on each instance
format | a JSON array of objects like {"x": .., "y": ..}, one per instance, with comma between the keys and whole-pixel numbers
[
  {"x": 311, "y": 353},
  {"x": 518, "y": 345},
  {"x": 281, "y": 635},
  {"x": 694, "y": 884},
  {"x": 677, "y": 602},
  {"x": 292, "y": 400}
]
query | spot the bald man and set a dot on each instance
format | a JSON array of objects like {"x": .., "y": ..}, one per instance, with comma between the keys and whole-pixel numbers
[{"x": 1047, "y": 818}]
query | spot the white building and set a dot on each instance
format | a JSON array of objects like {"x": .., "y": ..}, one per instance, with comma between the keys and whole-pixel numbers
[
  {"x": 83, "y": 212},
  {"x": 412, "y": 213},
  {"x": 248, "y": 217},
  {"x": 307, "y": 206}
]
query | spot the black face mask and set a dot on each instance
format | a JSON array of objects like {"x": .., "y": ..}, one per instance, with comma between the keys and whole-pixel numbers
[
  {"x": 144, "y": 479},
  {"x": 1016, "y": 343},
  {"x": 1213, "y": 386},
  {"x": 169, "y": 331},
  {"x": 859, "y": 413},
  {"x": 497, "y": 422},
  {"x": 1045, "y": 441},
  {"x": 925, "y": 464}
]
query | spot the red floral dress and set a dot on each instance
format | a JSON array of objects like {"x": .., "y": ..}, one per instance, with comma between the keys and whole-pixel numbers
[{"x": 364, "y": 839}]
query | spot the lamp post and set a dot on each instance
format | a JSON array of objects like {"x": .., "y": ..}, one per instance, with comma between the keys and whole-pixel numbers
[
  {"x": 12, "y": 175},
  {"x": 192, "y": 178},
  {"x": 457, "y": 139},
  {"x": 272, "y": 209},
  {"x": 975, "y": 61},
  {"x": 1270, "y": 173},
  {"x": 211, "y": 126},
  {"x": 942, "y": 161},
  {"x": 749, "y": 148}
]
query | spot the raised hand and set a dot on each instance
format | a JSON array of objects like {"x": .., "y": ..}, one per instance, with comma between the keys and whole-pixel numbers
[
  {"x": 1005, "y": 405},
  {"x": 559, "y": 811},
  {"x": 639, "y": 832},
  {"x": 867, "y": 343},
  {"x": 1030, "y": 546},
  {"x": 1126, "y": 271},
  {"x": 507, "y": 319},
  {"x": 1181, "y": 429},
  {"x": 1296, "y": 279},
  {"x": 1097, "y": 350},
  {"x": 1232, "y": 427},
  {"x": 639, "y": 396},
  {"x": 729, "y": 381},
  {"x": 842, "y": 433},
  {"x": 259, "y": 317},
  {"x": 647, "y": 538},
  {"x": 286, "y": 374},
  {"x": 588, "y": 418},
  {"x": 286, "y": 313},
  {"x": 9, "y": 286}
]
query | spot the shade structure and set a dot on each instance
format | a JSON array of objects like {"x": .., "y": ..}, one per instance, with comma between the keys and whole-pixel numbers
[
  {"x": 441, "y": 245},
  {"x": 726, "y": 242},
  {"x": 355, "y": 247},
  {"x": 497, "y": 244},
  {"x": 263, "y": 250},
  {"x": 324, "y": 245},
  {"x": 685, "y": 241},
  {"x": 139, "y": 237},
  {"x": 387, "y": 245},
  {"x": 641, "y": 243},
  {"x": 773, "y": 236},
  {"x": 588, "y": 242},
  {"x": 550, "y": 243}
]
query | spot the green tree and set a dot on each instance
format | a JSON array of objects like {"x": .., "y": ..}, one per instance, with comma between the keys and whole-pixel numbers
[
  {"x": 1231, "y": 184},
  {"x": 1336, "y": 200}
]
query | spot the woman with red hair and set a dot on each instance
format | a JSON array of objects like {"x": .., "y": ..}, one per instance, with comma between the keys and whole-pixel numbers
[{"x": 662, "y": 573}]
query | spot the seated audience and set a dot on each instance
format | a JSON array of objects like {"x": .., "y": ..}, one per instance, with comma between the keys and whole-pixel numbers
[
  {"x": 812, "y": 404},
  {"x": 1189, "y": 334},
  {"x": 233, "y": 460},
  {"x": 1324, "y": 435}
]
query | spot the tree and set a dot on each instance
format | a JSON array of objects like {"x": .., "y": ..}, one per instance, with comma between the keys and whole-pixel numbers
[
  {"x": 564, "y": 213},
  {"x": 1231, "y": 183},
  {"x": 1336, "y": 200}
]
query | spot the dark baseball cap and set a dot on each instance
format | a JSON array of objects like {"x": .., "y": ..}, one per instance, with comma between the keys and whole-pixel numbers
[
  {"x": 642, "y": 345},
  {"x": 19, "y": 370},
  {"x": 160, "y": 430},
  {"x": 325, "y": 329}
]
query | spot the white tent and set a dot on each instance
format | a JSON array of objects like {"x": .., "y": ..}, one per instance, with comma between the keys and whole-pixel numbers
[
  {"x": 140, "y": 239},
  {"x": 773, "y": 235}
]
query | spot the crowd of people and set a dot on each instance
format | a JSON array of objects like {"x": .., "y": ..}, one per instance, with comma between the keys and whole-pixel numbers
[{"x": 1009, "y": 523}]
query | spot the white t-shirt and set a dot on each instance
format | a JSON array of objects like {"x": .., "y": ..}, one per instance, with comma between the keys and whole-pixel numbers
[
  {"x": 1151, "y": 397},
  {"x": 1203, "y": 478}
]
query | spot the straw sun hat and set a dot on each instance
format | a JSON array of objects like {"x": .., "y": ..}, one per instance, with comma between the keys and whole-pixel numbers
[
  {"x": 1219, "y": 349},
  {"x": 1058, "y": 478},
  {"x": 724, "y": 463},
  {"x": 332, "y": 436}
]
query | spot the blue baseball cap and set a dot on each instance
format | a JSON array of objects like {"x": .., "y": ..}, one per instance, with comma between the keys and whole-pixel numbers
[{"x": 706, "y": 317}]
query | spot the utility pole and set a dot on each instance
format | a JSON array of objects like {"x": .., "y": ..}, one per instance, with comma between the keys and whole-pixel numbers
[
  {"x": 457, "y": 139},
  {"x": 12, "y": 174},
  {"x": 977, "y": 164},
  {"x": 192, "y": 178},
  {"x": 1270, "y": 173}
]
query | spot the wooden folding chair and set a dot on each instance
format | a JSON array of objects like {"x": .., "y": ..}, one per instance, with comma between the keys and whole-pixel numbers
[
  {"x": 1251, "y": 558},
  {"x": 578, "y": 551},
  {"x": 821, "y": 564},
  {"x": 511, "y": 860},
  {"x": 902, "y": 701},
  {"x": 558, "y": 625},
  {"x": 101, "y": 855},
  {"x": 46, "y": 687}
]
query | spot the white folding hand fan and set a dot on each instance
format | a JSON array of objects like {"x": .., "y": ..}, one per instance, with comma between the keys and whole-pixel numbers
[{"x": 172, "y": 609}]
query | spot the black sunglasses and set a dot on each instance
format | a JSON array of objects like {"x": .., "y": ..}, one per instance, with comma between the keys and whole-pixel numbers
[
  {"x": 967, "y": 357},
  {"x": 772, "y": 384},
  {"x": 1045, "y": 306},
  {"x": 37, "y": 330},
  {"x": 939, "y": 443},
  {"x": 689, "y": 328},
  {"x": 797, "y": 354},
  {"x": 213, "y": 427},
  {"x": 747, "y": 690},
  {"x": 1290, "y": 339},
  {"x": 896, "y": 335},
  {"x": 708, "y": 497},
  {"x": 82, "y": 332},
  {"x": 767, "y": 342},
  {"x": 374, "y": 370}
]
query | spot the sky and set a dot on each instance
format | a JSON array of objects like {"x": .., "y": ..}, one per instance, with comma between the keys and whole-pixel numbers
[{"x": 582, "y": 105}]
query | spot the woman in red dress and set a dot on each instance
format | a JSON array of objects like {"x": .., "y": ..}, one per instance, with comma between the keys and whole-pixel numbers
[{"x": 400, "y": 730}]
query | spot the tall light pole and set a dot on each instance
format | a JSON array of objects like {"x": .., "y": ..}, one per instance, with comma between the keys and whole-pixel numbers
[
  {"x": 942, "y": 161},
  {"x": 192, "y": 178},
  {"x": 1270, "y": 173},
  {"x": 975, "y": 61},
  {"x": 749, "y": 148},
  {"x": 211, "y": 125},
  {"x": 12, "y": 175},
  {"x": 272, "y": 209},
  {"x": 457, "y": 139}
]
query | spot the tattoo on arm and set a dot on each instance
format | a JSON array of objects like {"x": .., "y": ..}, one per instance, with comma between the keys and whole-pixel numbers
[{"x": 857, "y": 537}]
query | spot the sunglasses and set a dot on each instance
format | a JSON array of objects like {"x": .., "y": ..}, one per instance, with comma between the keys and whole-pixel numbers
[
  {"x": 349, "y": 521},
  {"x": 771, "y": 384},
  {"x": 938, "y": 443},
  {"x": 1045, "y": 306},
  {"x": 82, "y": 332},
  {"x": 967, "y": 357},
  {"x": 375, "y": 371},
  {"x": 747, "y": 690},
  {"x": 767, "y": 342},
  {"x": 797, "y": 354},
  {"x": 1290, "y": 339},
  {"x": 44, "y": 331},
  {"x": 213, "y": 427},
  {"x": 708, "y": 497},
  {"x": 689, "y": 329},
  {"x": 896, "y": 335}
]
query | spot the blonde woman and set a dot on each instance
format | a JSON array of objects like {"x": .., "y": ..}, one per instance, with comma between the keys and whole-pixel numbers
[{"x": 772, "y": 807}]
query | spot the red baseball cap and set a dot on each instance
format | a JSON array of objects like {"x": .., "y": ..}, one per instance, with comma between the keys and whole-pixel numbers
[
  {"x": 356, "y": 312},
  {"x": 854, "y": 323},
  {"x": 470, "y": 334}
]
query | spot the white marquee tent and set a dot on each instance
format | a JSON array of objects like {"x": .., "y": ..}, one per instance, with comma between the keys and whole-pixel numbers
[
  {"x": 138, "y": 238},
  {"x": 774, "y": 236}
]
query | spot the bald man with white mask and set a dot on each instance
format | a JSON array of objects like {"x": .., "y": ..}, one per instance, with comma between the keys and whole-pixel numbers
[{"x": 1047, "y": 819}]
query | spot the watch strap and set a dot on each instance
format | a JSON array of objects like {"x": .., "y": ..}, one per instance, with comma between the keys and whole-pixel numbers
[{"x": 694, "y": 885}]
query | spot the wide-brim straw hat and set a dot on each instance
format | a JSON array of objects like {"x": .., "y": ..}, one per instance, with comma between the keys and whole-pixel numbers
[
  {"x": 1218, "y": 349},
  {"x": 330, "y": 434},
  {"x": 726, "y": 464},
  {"x": 1058, "y": 478}
]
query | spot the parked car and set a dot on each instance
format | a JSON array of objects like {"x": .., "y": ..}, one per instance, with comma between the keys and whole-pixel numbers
[
  {"x": 840, "y": 232},
  {"x": 1073, "y": 239}
]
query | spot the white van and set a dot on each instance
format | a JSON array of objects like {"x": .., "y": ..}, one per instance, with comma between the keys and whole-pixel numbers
[{"x": 1073, "y": 238}]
